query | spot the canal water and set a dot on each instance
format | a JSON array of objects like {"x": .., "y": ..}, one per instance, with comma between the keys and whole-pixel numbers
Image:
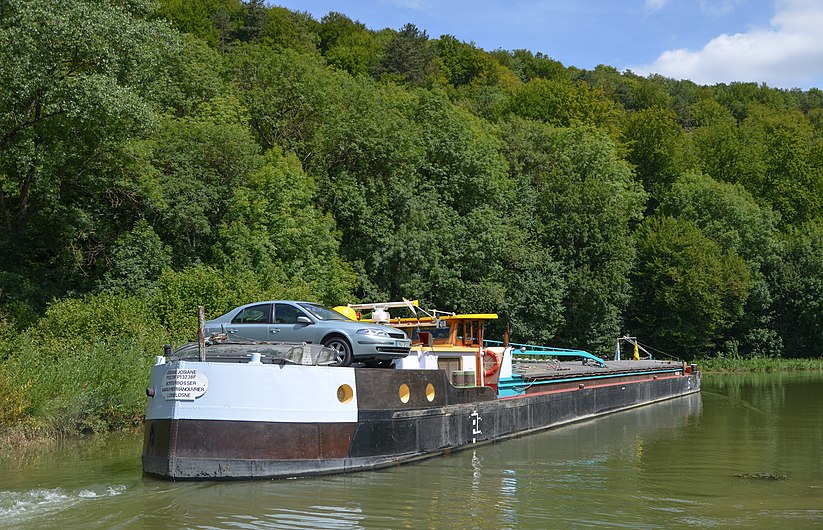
[{"x": 746, "y": 452}]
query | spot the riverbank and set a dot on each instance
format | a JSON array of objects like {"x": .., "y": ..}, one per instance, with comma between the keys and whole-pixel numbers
[{"x": 759, "y": 364}]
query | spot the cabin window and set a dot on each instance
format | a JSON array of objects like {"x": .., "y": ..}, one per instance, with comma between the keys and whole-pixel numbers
[{"x": 448, "y": 365}]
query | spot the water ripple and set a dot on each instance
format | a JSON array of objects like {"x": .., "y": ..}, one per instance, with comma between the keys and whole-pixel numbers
[{"x": 17, "y": 507}]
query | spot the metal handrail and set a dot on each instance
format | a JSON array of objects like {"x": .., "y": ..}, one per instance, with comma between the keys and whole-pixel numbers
[{"x": 548, "y": 351}]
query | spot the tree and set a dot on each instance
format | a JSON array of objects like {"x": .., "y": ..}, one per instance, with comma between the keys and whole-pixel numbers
[
  {"x": 273, "y": 227},
  {"x": 527, "y": 65},
  {"x": 289, "y": 96},
  {"x": 190, "y": 164},
  {"x": 730, "y": 216},
  {"x": 789, "y": 181},
  {"x": 656, "y": 147},
  {"x": 726, "y": 213},
  {"x": 688, "y": 291},
  {"x": 138, "y": 258},
  {"x": 347, "y": 45},
  {"x": 617, "y": 87},
  {"x": 462, "y": 63},
  {"x": 719, "y": 145},
  {"x": 799, "y": 292},
  {"x": 408, "y": 55},
  {"x": 194, "y": 78},
  {"x": 577, "y": 200},
  {"x": 564, "y": 103},
  {"x": 289, "y": 30},
  {"x": 213, "y": 21},
  {"x": 78, "y": 80},
  {"x": 650, "y": 92}
]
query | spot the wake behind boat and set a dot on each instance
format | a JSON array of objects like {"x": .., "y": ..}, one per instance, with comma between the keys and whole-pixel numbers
[{"x": 235, "y": 409}]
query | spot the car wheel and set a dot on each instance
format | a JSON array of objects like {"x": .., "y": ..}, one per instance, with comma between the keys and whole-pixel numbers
[{"x": 342, "y": 350}]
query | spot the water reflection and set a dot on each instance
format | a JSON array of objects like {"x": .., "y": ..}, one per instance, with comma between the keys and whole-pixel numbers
[{"x": 669, "y": 464}]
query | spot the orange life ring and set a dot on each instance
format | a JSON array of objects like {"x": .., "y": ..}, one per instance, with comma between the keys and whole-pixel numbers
[{"x": 495, "y": 360}]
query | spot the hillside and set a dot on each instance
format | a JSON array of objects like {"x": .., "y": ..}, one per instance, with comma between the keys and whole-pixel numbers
[{"x": 154, "y": 157}]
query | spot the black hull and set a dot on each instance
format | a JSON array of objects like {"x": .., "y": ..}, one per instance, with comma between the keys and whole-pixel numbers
[{"x": 388, "y": 431}]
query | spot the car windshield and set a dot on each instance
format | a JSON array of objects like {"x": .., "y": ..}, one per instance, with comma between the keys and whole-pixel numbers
[{"x": 323, "y": 313}]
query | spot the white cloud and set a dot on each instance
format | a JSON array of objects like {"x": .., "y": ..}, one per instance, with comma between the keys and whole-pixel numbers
[{"x": 789, "y": 53}]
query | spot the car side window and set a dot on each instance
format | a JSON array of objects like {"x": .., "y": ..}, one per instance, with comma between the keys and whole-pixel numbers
[
  {"x": 286, "y": 314},
  {"x": 256, "y": 314}
]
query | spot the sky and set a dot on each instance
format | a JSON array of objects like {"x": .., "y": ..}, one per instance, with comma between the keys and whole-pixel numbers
[{"x": 777, "y": 42}]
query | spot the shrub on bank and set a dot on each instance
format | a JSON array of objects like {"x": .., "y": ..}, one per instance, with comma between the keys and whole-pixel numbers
[
  {"x": 758, "y": 364},
  {"x": 84, "y": 366}
]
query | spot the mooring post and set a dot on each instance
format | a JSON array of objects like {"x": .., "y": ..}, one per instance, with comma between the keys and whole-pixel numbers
[{"x": 201, "y": 332}]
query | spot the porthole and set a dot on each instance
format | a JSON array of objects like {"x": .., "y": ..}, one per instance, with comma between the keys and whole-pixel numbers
[
  {"x": 430, "y": 392},
  {"x": 404, "y": 393},
  {"x": 344, "y": 393}
]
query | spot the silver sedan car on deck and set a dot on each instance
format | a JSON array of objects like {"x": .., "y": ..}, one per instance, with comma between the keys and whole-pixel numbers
[{"x": 297, "y": 322}]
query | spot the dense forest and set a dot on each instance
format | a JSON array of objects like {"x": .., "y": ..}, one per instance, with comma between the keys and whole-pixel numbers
[{"x": 159, "y": 156}]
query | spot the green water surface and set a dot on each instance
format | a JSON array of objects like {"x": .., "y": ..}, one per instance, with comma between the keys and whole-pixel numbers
[{"x": 745, "y": 453}]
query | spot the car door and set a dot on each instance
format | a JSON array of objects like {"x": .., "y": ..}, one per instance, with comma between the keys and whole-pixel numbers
[
  {"x": 251, "y": 322},
  {"x": 287, "y": 325}
]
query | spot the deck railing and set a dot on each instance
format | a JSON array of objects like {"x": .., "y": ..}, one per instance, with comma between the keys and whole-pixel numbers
[{"x": 547, "y": 351}]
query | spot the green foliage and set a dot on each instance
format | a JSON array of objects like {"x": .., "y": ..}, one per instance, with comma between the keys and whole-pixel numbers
[
  {"x": 289, "y": 96},
  {"x": 179, "y": 293},
  {"x": 272, "y": 226},
  {"x": 213, "y": 21},
  {"x": 730, "y": 216},
  {"x": 194, "y": 78},
  {"x": 138, "y": 257},
  {"x": 78, "y": 80},
  {"x": 83, "y": 366},
  {"x": 799, "y": 297},
  {"x": 348, "y": 45},
  {"x": 788, "y": 182},
  {"x": 578, "y": 200},
  {"x": 719, "y": 145},
  {"x": 564, "y": 103},
  {"x": 463, "y": 63},
  {"x": 288, "y": 29},
  {"x": 14, "y": 402},
  {"x": 408, "y": 57},
  {"x": 688, "y": 291},
  {"x": 759, "y": 364},
  {"x": 194, "y": 162},
  {"x": 656, "y": 147},
  {"x": 726, "y": 213},
  {"x": 527, "y": 65},
  {"x": 157, "y": 157}
]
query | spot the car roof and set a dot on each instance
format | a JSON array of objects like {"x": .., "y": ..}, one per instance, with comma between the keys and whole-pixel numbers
[{"x": 280, "y": 302}]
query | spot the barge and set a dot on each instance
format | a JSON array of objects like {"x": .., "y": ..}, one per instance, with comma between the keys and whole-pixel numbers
[{"x": 262, "y": 410}]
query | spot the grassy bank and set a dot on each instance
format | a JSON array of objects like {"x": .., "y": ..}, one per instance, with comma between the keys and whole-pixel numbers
[
  {"x": 758, "y": 364},
  {"x": 83, "y": 367}
]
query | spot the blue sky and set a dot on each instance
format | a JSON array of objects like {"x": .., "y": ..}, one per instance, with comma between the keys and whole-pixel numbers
[{"x": 778, "y": 42}]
